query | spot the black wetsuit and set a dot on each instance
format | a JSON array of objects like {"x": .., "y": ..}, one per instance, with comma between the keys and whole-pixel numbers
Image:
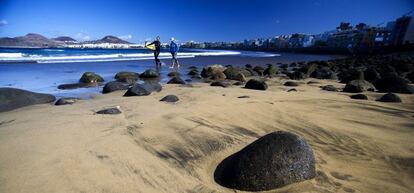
[{"x": 157, "y": 50}]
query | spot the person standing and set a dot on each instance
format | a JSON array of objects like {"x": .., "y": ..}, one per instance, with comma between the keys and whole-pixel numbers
[
  {"x": 174, "y": 50},
  {"x": 157, "y": 50}
]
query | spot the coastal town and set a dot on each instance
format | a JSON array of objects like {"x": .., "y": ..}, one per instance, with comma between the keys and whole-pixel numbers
[{"x": 344, "y": 37}]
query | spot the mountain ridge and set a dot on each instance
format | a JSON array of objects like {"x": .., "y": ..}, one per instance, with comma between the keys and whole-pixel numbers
[{"x": 33, "y": 40}]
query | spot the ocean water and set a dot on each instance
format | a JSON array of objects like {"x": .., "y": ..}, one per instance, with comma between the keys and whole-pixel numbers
[
  {"x": 106, "y": 55},
  {"x": 42, "y": 70}
]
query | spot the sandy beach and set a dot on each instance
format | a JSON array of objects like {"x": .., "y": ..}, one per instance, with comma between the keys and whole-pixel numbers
[{"x": 153, "y": 146}]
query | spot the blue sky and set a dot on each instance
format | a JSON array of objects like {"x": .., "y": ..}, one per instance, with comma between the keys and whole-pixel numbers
[{"x": 199, "y": 20}]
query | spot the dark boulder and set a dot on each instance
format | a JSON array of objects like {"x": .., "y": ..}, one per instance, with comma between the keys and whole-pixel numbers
[
  {"x": 173, "y": 74},
  {"x": 214, "y": 72},
  {"x": 150, "y": 73},
  {"x": 193, "y": 72},
  {"x": 66, "y": 101},
  {"x": 331, "y": 88},
  {"x": 346, "y": 76},
  {"x": 220, "y": 84},
  {"x": 240, "y": 77},
  {"x": 324, "y": 73},
  {"x": 170, "y": 99},
  {"x": 272, "y": 161},
  {"x": 410, "y": 77},
  {"x": 110, "y": 111},
  {"x": 260, "y": 70},
  {"x": 403, "y": 66},
  {"x": 371, "y": 75},
  {"x": 290, "y": 83},
  {"x": 390, "y": 98},
  {"x": 13, "y": 98},
  {"x": 127, "y": 77},
  {"x": 359, "y": 97},
  {"x": 256, "y": 84},
  {"x": 231, "y": 73},
  {"x": 296, "y": 75},
  {"x": 251, "y": 72},
  {"x": 192, "y": 67},
  {"x": 391, "y": 82},
  {"x": 143, "y": 89},
  {"x": 357, "y": 86},
  {"x": 90, "y": 77},
  {"x": 114, "y": 86},
  {"x": 176, "y": 80}
]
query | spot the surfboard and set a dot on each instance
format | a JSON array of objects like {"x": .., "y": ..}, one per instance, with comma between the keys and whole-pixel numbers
[{"x": 151, "y": 47}]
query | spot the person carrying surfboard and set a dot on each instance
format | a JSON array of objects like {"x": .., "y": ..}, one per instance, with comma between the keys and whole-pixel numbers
[
  {"x": 156, "y": 46},
  {"x": 173, "y": 50}
]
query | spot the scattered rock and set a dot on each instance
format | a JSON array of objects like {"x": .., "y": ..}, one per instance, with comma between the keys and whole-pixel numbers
[
  {"x": 371, "y": 75},
  {"x": 274, "y": 160},
  {"x": 243, "y": 97},
  {"x": 192, "y": 67},
  {"x": 13, "y": 98},
  {"x": 143, "y": 89},
  {"x": 176, "y": 80},
  {"x": 170, "y": 99},
  {"x": 390, "y": 98},
  {"x": 214, "y": 72},
  {"x": 66, "y": 101},
  {"x": 359, "y": 97},
  {"x": 110, "y": 111},
  {"x": 240, "y": 77},
  {"x": 260, "y": 70},
  {"x": 331, "y": 88},
  {"x": 256, "y": 84},
  {"x": 231, "y": 73},
  {"x": 296, "y": 75},
  {"x": 90, "y": 77},
  {"x": 324, "y": 73},
  {"x": 193, "y": 72},
  {"x": 290, "y": 83},
  {"x": 127, "y": 77},
  {"x": 271, "y": 70},
  {"x": 292, "y": 90},
  {"x": 410, "y": 77},
  {"x": 358, "y": 85},
  {"x": 150, "y": 73},
  {"x": 219, "y": 83},
  {"x": 114, "y": 86},
  {"x": 218, "y": 76},
  {"x": 391, "y": 82}
]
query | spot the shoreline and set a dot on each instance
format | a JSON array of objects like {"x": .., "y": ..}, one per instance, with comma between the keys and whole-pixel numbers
[{"x": 45, "y": 77}]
